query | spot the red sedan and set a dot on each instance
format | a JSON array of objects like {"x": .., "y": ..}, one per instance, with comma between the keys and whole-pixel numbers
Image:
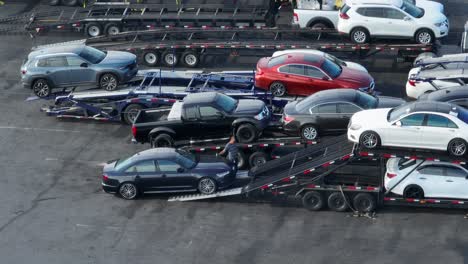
[{"x": 304, "y": 74}]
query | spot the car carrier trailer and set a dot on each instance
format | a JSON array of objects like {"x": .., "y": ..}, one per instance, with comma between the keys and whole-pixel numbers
[{"x": 320, "y": 176}]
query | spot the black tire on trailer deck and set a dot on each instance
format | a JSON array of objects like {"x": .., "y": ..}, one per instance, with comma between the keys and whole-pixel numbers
[
  {"x": 369, "y": 140},
  {"x": 337, "y": 202},
  {"x": 169, "y": 58},
  {"x": 190, "y": 58},
  {"x": 313, "y": 201},
  {"x": 130, "y": 112},
  {"x": 112, "y": 29},
  {"x": 70, "y": 2},
  {"x": 54, "y": 2},
  {"x": 457, "y": 147},
  {"x": 151, "y": 58},
  {"x": 246, "y": 133},
  {"x": 162, "y": 140},
  {"x": 360, "y": 35},
  {"x": 258, "y": 158},
  {"x": 364, "y": 202},
  {"x": 424, "y": 36},
  {"x": 93, "y": 29},
  {"x": 413, "y": 191},
  {"x": 241, "y": 160}
]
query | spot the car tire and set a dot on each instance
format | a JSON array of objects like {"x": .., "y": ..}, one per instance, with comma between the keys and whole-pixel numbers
[
  {"x": 241, "y": 160},
  {"x": 151, "y": 58},
  {"x": 369, "y": 140},
  {"x": 424, "y": 36},
  {"x": 309, "y": 132},
  {"x": 313, "y": 201},
  {"x": 54, "y": 2},
  {"x": 70, "y": 2},
  {"x": 162, "y": 141},
  {"x": 112, "y": 29},
  {"x": 93, "y": 29},
  {"x": 360, "y": 35},
  {"x": 108, "y": 82},
  {"x": 130, "y": 113},
  {"x": 337, "y": 202},
  {"x": 128, "y": 191},
  {"x": 190, "y": 59},
  {"x": 413, "y": 192},
  {"x": 364, "y": 202},
  {"x": 169, "y": 58},
  {"x": 258, "y": 158},
  {"x": 320, "y": 25},
  {"x": 207, "y": 186},
  {"x": 41, "y": 88},
  {"x": 278, "y": 89},
  {"x": 457, "y": 147},
  {"x": 246, "y": 133}
]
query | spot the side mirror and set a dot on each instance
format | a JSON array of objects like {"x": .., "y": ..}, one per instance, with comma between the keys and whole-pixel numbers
[
  {"x": 325, "y": 78},
  {"x": 84, "y": 65},
  {"x": 398, "y": 123},
  {"x": 407, "y": 18},
  {"x": 180, "y": 169}
]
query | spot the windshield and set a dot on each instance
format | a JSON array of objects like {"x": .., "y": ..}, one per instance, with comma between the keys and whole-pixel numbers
[
  {"x": 335, "y": 59},
  {"x": 92, "y": 55},
  {"x": 332, "y": 69},
  {"x": 276, "y": 61},
  {"x": 397, "y": 112},
  {"x": 228, "y": 104},
  {"x": 123, "y": 163},
  {"x": 412, "y": 10},
  {"x": 366, "y": 101},
  {"x": 186, "y": 159}
]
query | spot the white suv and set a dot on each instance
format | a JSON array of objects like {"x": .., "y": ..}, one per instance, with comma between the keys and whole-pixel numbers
[{"x": 363, "y": 19}]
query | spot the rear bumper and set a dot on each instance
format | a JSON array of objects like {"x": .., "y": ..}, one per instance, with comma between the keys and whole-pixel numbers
[{"x": 109, "y": 188}]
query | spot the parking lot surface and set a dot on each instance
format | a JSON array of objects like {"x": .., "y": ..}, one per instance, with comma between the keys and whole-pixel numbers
[{"x": 54, "y": 211}]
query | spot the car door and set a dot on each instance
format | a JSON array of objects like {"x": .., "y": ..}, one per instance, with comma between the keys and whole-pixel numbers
[
  {"x": 374, "y": 20},
  {"x": 405, "y": 132},
  {"x": 430, "y": 178},
  {"x": 346, "y": 111},
  {"x": 328, "y": 118},
  {"x": 318, "y": 80},
  {"x": 438, "y": 131},
  {"x": 214, "y": 122},
  {"x": 398, "y": 23},
  {"x": 190, "y": 127},
  {"x": 146, "y": 176},
  {"x": 56, "y": 68},
  {"x": 80, "y": 70},
  {"x": 454, "y": 183},
  {"x": 295, "y": 79},
  {"x": 176, "y": 177}
]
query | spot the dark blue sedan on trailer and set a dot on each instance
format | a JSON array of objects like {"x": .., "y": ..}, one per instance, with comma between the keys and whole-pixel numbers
[{"x": 161, "y": 170}]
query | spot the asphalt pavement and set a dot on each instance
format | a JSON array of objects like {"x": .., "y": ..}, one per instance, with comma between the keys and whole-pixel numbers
[{"x": 53, "y": 209}]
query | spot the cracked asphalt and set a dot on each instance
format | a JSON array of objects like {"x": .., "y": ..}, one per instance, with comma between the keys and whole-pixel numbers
[{"x": 52, "y": 208}]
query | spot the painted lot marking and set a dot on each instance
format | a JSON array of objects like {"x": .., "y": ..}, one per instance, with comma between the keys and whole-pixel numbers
[
  {"x": 40, "y": 129},
  {"x": 89, "y": 162}
]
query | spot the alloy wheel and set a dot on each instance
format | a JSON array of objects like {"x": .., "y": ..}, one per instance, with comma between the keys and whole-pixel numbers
[
  {"x": 108, "y": 82},
  {"x": 369, "y": 140},
  {"x": 425, "y": 38},
  {"x": 359, "y": 36},
  {"x": 277, "y": 89},
  {"x": 458, "y": 148},
  {"x": 41, "y": 89},
  {"x": 310, "y": 133},
  {"x": 128, "y": 191},
  {"x": 207, "y": 186}
]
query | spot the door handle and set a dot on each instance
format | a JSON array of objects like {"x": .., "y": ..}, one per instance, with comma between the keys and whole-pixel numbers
[
  {"x": 286, "y": 75},
  {"x": 47, "y": 72},
  {"x": 164, "y": 175},
  {"x": 449, "y": 181},
  {"x": 417, "y": 128},
  {"x": 137, "y": 177},
  {"x": 452, "y": 130},
  {"x": 422, "y": 178}
]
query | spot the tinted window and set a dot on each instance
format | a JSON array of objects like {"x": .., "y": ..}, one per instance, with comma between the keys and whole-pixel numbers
[
  {"x": 313, "y": 72},
  {"x": 348, "y": 108},
  {"x": 325, "y": 109},
  {"x": 228, "y": 104},
  {"x": 167, "y": 166},
  {"x": 92, "y": 55},
  {"x": 296, "y": 69},
  {"x": 276, "y": 61},
  {"x": 439, "y": 121},
  {"x": 366, "y": 101},
  {"x": 394, "y": 14},
  {"x": 432, "y": 170},
  {"x": 52, "y": 62},
  {"x": 191, "y": 112},
  {"x": 345, "y": 9},
  {"x": 209, "y": 112},
  {"x": 412, "y": 9},
  {"x": 332, "y": 69},
  {"x": 284, "y": 69},
  {"x": 456, "y": 172},
  {"x": 372, "y": 12},
  {"x": 142, "y": 166},
  {"x": 74, "y": 61},
  {"x": 186, "y": 159},
  {"x": 413, "y": 120}
]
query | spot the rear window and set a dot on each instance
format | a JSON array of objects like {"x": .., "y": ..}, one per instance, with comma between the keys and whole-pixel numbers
[
  {"x": 404, "y": 163},
  {"x": 462, "y": 114},
  {"x": 345, "y": 8},
  {"x": 276, "y": 61}
]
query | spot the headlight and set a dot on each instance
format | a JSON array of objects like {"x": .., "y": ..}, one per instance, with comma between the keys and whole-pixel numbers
[
  {"x": 438, "y": 24},
  {"x": 260, "y": 116},
  {"x": 222, "y": 174},
  {"x": 355, "y": 127}
]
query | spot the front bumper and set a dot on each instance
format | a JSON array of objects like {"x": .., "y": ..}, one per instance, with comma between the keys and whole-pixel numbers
[{"x": 353, "y": 135}]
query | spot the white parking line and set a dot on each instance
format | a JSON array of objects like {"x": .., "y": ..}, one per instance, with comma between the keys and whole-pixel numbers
[
  {"x": 40, "y": 129},
  {"x": 89, "y": 162}
]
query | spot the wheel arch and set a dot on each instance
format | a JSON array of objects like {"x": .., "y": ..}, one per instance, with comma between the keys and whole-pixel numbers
[
  {"x": 160, "y": 130},
  {"x": 424, "y": 28},
  {"x": 413, "y": 185},
  {"x": 321, "y": 19}
]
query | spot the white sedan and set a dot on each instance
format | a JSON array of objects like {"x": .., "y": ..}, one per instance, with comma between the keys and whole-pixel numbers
[
  {"x": 425, "y": 125},
  {"x": 429, "y": 180}
]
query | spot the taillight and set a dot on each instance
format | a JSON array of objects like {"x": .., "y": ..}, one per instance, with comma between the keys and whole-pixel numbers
[
  {"x": 105, "y": 178},
  {"x": 296, "y": 17},
  {"x": 134, "y": 130},
  {"x": 23, "y": 72},
  {"x": 391, "y": 175},
  {"x": 259, "y": 71},
  {"x": 412, "y": 82},
  {"x": 344, "y": 16},
  {"x": 288, "y": 119}
]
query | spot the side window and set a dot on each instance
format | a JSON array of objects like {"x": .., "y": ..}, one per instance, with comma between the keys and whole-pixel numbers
[
  {"x": 439, "y": 121},
  {"x": 394, "y": 14},
  {"x": 361, "y": 11},
  {"x": 167, "y": 166},
  {"x": 56, "y": 62},
  {"x": 284, "y": 69},
  {"x": 41, "y": 63},
  {"x": 373, "y": 12},
  {"x": 324, "y": 109},
  {"x": 346, "y": 108},
  {"x": 455, "y": 172},
  {"x": 432, "y": 170},
  {"x": 209, "y": 112},
  {"x": 142, "y": 166},
  {"x": 296, "y": 69},
  {"x": 313, "y": 72},
  {"x": 191, "y": 113},
  {"x": 413, "y": 120},
  {"x": 74, "y": 61}
]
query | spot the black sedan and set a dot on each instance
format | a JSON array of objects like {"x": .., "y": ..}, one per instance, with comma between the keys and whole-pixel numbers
[
  {"x": 456, "y": 95},
  {"x": 328, "y": 112},
  {"x": 164, "y": 170}
]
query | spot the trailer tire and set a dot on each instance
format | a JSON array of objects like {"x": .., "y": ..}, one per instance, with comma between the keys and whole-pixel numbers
[
  {"x": 414, "y": 192},
  {"x": 169, "y": 58},
  {"x": 246, "y": 133},
  {"x": 241, "y": 160},
  {"x": 364, "y": 202},
  {"x": 337, "y": 202},
  {"x": 162, "y": 141},
  {"x": 130, "y": 112},
  {"x": 190, "y": 59},
  {"x": 151, "y": 58},
  {"x": 70, "y": 2},
  {"x": 258, "y": 158},
  {"x": 360, "y": 35},
  {"x": 41, "y": 88},
  {"x": 93, "y": 29},
  {"x": 112, "y": 29},
  {"x": 54, "y": 2},
  {"x": 313, "y": 201}
]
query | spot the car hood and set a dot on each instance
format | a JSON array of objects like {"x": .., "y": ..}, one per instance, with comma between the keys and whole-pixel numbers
[
  {"x": 216, "y": 164},
  {"x": 388, "y": 101},
  {"x": 118, "y": 57},
  {"x": 355, "y": 66},
  {"x": 248, "y": 106},
  {"x": 355, "y": 78},
  {"x": 430, "y": 16},
  {"x": 372, "y": 117},
  {"x": 430, "y": 5}
]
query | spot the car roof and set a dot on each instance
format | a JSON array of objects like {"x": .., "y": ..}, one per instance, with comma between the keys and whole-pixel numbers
[
  {"x": 347, "y": 95},
  {"x": 155, "y": 153},
  {"x": 430, "y": 106},
  {"x": 447, "y": 94},
  {"x": 200, "y": 98},
  {"x": 304, "y": 58},
  {"x": 304, "y": 51},
  {"x": 49, "y": 51},
  {"x": 396, "y": 3}
]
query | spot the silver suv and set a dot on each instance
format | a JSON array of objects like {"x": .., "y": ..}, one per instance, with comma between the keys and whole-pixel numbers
[{"x": 69, "y": 66}]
